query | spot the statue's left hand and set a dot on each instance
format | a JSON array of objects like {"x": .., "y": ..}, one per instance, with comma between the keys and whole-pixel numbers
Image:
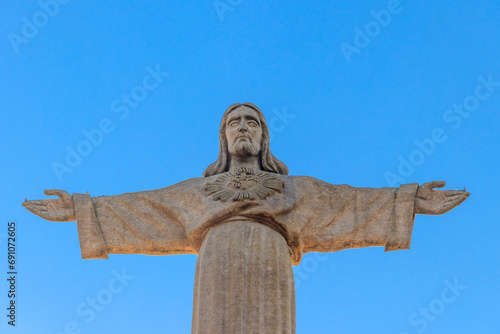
[{"x": 436, "y": 202}]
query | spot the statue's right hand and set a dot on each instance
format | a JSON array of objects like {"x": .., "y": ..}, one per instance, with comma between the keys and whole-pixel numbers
[{"x": 58, "y": 210}]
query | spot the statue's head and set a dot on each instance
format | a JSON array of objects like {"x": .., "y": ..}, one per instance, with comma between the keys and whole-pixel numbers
[{"x": 243, "y": 133}]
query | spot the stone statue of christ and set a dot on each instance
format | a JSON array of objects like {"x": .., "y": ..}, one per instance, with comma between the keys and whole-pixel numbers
[{"x": 249, "y": 222}]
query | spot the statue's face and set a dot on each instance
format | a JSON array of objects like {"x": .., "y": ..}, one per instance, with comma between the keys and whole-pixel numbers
[{"x": 244, "y": 132}]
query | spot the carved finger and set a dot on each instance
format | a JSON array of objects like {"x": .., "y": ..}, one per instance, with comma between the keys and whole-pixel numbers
[
  {"x": 39, "y": 211},
  {"x": 458, "y": 197},
  {"x": 436, "y": 184},
  {"x": 35, "y": 204},
  {"x": 451, "y": 193},
  {"x": 38, "y": 206},
  {"x": 453, "y": 198},
  {"x": 456, "y": 202},
  {"x": 42, "y": 209},
  {"x": 57, "y": 192}
]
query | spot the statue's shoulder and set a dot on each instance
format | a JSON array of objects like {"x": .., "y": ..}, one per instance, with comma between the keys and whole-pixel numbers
[
  {"x": 301, "y": 179},
  {"x": 309, "y": 181},
  {"x": 191, "y": 183}
]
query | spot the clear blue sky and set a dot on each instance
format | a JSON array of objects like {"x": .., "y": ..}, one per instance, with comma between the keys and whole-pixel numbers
[{"x": 351, "y": 100}]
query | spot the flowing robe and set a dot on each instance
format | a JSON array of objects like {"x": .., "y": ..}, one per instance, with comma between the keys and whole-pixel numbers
[{"x": 244, "y": 280}]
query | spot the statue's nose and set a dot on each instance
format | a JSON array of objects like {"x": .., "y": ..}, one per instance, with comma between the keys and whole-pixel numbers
[{"x": 243, "y": 126}]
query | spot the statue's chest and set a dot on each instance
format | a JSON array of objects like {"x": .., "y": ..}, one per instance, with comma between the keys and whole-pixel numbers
[{"x": 244, "y": 184}]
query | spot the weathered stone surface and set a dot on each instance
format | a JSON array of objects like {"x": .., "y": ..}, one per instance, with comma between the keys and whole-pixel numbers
[{"x": 249, "y": 222}]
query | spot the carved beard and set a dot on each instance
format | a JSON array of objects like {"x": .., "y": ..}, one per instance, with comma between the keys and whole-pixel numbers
[{"x": 245, "y": 149}]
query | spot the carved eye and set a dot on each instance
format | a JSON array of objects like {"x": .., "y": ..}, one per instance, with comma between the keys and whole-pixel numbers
[
  {"x": 253, "y": 124},
  {"x": 234, "y": 124}
]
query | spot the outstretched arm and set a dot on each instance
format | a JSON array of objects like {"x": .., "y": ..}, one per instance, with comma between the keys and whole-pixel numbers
[
  {"x": 148, "y": 222},
  {"x": 341, "y": 216}
]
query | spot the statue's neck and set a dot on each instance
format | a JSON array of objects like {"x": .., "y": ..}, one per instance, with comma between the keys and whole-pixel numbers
[{"x": 238, "y": 162}]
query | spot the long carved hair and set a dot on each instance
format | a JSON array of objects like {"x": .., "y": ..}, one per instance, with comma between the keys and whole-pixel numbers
[{"x": 269, "y": 162}]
